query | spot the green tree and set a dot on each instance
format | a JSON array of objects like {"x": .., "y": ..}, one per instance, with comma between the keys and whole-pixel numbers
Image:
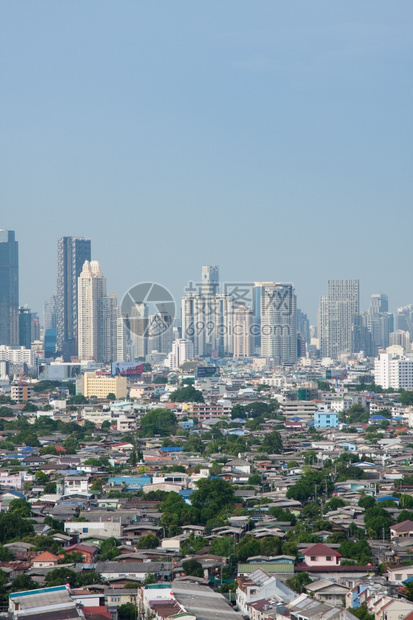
[
  {"x": 111, "y": 396},
  {"x": 366, "y": 501},
  {"x": 148, "y": 542},
  {"x": 22, "y": 583},
  {"x": 282, "y": 515},
  {"x": 187, "y": 394},
  {"x": 359, "y": 551},
  {"x": 362, "y": 612},
  {"x": 41, "y": 477},
  {"x": 334, "y": 503},
  {"x": 97, "y": 485},
  {"x": 311, "y": 484},
  {"x": 77, "y": 399},
  {"x": 406, "y": 398},
  {"x": 272, "y": 443},
  {"x": 158, "y": 422},
  {"x": 193, "y": 567},
  {"x": 248, "y": 547},
  {"x": 255, "y": 478},
  {"x": 108, "y": 549},
  {"x": 6, "y": 555},
  {"x": 30, "y": 407},
  {"x": 127, "y": 611},
  {"x": 50, "y": 487},
  {"x": 223, "y": 545},
  {"x": 70, "y": 445},
  {"x": 212, "y": 496},
  {"x": 270, "y": 545},
  {"x": 298, "y": 582},
  {"x": 133, "y": 459},
  {"x": 20, "y": 507}
]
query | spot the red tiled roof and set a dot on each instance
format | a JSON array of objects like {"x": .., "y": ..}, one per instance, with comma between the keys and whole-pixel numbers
[
  {"x": 403, "y": 526},
  {"x": 319, "y": 549},
  {"x": 46, "y": 556}
]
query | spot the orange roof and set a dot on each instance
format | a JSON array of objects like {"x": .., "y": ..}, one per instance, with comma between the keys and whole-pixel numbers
[{"x": 46, "y": 556}]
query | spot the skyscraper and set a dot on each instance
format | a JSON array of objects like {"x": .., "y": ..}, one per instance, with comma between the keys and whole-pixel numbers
[
  {"x": 9, "y": 288},
  {"x": 50, "y": 313},
  {"x": 97, "y": 315},
  {"x": 25, "y": 327},
  {"x": 207, "y": 317},
  {"x": 91, "y": 289},
  {"x": 72, "y": 252},
  {"x": 108, "y": 316},
  {"x": 210, "y": 279},
  {"x": 335, "y": 317},
  {"x": 279, "y": 323},
  {"x": 241, "y": 328}
]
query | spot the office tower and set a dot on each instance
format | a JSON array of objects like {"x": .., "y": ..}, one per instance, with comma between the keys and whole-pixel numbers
[
  {"x": 72, "y": 252},
  {"x": 97, "y": 315},
  {"x": 182, "y": 351},
  {"x": 50, "y": 337},
  {"x": 25, "y": 327},
  {"x": 193, "y": 322},
  {"x": 378, "y": 321},
  {"x": 207, "y": 317},
  {"x": 160, "y": 332},
  {"x": 379, "y": 302},
  {"x": 335, "y": 317},
  {"x": 210, "y": 280},
  {"x": 137, "y": 325},
  {"x": 9, "y": 288},
  {"x": 91, "y": 288},
  {"x": 242, "y": 321},
  {"x": 35, "y": 326},
  {"x": 361, "y": 336},
  {"x": 279, "y": 323},
  {"x": 303, "y": 326},
  {"x": 400, "y": 338},
  {"x": 50, "y": 313},
  {"x": 391, "y": 371},
  {"x": 404, "y": 319},
  {"x": 108, "y": 316}
]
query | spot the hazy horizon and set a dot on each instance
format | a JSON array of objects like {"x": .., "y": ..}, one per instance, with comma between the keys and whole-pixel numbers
[{"x": 273, "y": 140}]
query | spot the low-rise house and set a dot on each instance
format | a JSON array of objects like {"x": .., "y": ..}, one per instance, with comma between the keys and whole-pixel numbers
[
  {"x": 260, "y": 585},
  {"x": 404, "y": 529},
  {"x": 134, "y": 570},
  {"x": 398, "y": 574},
  {"x": 73, "y": 485},
  {"x": 45, "y": 603},
  {"x": 320, "y": 554},
  {"x": 45, "y": 559},
  {"x": 327, "y": 591},
  {"x": 88, "y": 552}
]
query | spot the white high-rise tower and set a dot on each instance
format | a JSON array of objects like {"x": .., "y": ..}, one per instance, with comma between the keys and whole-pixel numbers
[{"x": 335, "y": 317}]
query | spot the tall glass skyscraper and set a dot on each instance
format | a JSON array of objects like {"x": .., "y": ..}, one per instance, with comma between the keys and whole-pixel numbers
[
  {"x": 72, "y": 252},
  {"x": 9, "y": 288}
]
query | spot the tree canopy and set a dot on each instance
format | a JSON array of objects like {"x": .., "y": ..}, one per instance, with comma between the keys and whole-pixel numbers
[{"x": 158, "y": 422}]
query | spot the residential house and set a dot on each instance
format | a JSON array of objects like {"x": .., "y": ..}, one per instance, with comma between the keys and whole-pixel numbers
[
  {"x": 327, "y": 591},
  {"x": 320, "y": 554},
  {"x": 45, "y": 559},
  {"x": 404, "y": 529},
  {"x": 260, "y": 585}
]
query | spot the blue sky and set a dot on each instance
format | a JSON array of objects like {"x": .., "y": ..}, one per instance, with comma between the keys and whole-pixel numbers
[{"x": 273, "y": 138}]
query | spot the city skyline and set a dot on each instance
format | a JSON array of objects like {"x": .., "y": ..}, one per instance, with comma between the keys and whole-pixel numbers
[
  {"x": 273, "y": 142},
  {"x": 365, "y": 299}
]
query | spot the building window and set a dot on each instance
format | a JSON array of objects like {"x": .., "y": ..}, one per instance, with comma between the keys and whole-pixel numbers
[
  {"x": 398, "y": 577},
  {"x": 328, "y": 558},
  {"x": 313, "y": 558}
]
